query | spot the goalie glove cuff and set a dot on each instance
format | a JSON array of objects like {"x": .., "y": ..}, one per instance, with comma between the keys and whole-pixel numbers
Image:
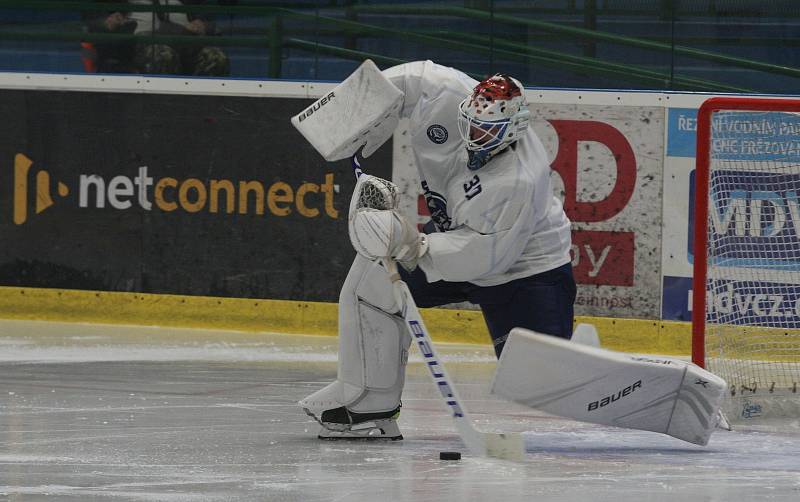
[{"x": 409, "y": 259}]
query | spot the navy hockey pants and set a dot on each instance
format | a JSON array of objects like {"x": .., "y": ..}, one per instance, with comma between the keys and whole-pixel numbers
[{"x": 542, "y": 302}]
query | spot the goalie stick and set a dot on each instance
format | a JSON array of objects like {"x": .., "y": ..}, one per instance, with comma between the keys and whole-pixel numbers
[{"x": 507, "y": 446}]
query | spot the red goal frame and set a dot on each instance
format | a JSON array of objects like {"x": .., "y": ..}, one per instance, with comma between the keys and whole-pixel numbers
[{"x": 702, "y": 163}]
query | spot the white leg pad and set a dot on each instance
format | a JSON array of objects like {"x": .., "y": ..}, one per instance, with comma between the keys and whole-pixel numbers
[
  {"x": 590, "y": 384},
  {"x": 373, "y": 346}
]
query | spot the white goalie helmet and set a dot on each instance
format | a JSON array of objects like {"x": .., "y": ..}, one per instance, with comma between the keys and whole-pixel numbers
[{"x": 494, "y": 115}]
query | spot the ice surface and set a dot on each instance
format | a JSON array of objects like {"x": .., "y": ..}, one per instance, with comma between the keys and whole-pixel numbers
[{"x": 117, "y": 413}]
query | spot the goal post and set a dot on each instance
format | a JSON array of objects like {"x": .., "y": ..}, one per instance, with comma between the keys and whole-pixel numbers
[{"x": 746, "y": 252}]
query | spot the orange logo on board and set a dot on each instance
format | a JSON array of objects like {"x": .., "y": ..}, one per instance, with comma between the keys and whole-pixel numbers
[{"x": 22, "y": 166}]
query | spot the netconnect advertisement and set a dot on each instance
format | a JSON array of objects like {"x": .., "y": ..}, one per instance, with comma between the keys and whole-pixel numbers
[
  {"x": 196, "y": 195},
  {"x": 754, "y": 216},
  {"x": 607, "y": 169}
]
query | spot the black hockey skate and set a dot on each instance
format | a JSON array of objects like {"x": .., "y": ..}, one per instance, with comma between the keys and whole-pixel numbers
[{"x": 341, "y": 423}]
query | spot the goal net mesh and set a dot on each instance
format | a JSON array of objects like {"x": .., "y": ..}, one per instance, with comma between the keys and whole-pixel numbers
[{"x": 752, "y": 328}]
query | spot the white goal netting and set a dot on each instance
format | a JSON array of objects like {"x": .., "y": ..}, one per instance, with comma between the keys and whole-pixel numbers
[{"x": 752, "y": 325}]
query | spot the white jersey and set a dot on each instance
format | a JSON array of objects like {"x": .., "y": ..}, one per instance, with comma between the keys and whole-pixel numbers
[{"x": 498, "y": 223}]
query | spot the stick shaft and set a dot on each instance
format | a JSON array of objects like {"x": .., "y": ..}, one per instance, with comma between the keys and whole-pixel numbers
[{"x": 419, "y": 333}]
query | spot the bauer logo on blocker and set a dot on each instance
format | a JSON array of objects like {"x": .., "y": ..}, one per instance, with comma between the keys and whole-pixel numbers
[{"x": 316, "y": 106}]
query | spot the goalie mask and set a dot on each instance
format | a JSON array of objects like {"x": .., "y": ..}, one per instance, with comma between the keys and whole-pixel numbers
[{"x": 492, "y": 117}]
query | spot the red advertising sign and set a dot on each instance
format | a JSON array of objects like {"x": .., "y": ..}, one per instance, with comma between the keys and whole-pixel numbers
[
  {"x": 603, "y": 257},
  {"x": 570, "y": 134}
]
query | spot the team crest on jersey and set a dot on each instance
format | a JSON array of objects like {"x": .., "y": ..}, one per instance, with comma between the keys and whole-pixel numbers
[
  {"x": 437, "y": 205},
  {"x": 437, "y": 134}
]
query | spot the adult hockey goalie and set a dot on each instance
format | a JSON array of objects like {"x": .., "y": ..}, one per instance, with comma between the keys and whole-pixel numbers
[{"x": 498, "y": 237}]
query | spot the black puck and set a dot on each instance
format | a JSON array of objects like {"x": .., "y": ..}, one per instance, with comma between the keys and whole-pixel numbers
[{"x": 449, "y": 455}]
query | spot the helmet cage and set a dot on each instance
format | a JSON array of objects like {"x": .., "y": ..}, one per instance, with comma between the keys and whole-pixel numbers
[
  {"x": 494, "y": 132},
  {"x": 501, "y": 99}
]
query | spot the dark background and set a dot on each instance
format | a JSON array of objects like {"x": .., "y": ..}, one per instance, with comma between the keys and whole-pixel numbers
[{"x": 205, "y": 137}]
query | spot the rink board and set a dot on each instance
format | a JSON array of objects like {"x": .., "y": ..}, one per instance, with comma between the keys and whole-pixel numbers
[
  {"x": 629, "y": 249},
  {"x": 282, "y": 316},
  {"x": 170, "y": 194}
]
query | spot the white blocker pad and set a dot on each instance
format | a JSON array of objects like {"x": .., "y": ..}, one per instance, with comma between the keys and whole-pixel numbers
[
  {"x": 600, "y": 386},
  {"x": 373, "y": 346},
  {"x": 364, "y": 110}
]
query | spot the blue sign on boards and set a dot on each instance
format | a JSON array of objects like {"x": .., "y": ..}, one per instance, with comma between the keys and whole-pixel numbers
[
  {"x": 754, "y": 303},
  {"x": 735, "y": 302},
  {"x": 690, "y": 240},
  {"x": 676, "y": 299},
  {"x": 755, "y": 219},
  {"x": 755, "y": 136},
  {"x": 737, "y": 135},
  {"x": 681, "y": 132},
  {"x": 764, "y": 304}
]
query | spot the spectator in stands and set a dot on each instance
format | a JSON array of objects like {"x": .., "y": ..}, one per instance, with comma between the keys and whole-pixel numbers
[
  {"x": 160, "y": 58},
  {"x": 109, "y": 56},
  {"x": 177, "y": 59}
]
